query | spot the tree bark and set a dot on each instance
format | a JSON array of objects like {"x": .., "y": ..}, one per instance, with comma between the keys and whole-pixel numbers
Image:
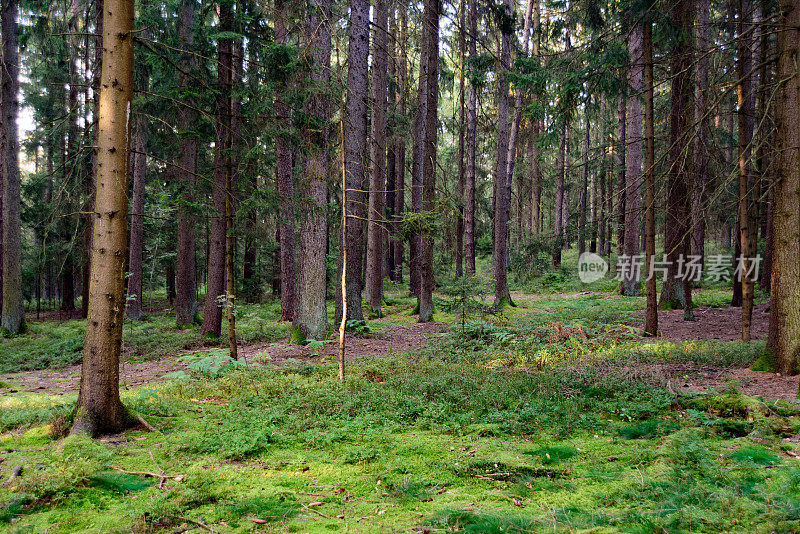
[
  {"x": 462, "y": 123},
  {"x": 470, "y": 141},
  {"x": 13, "y": 312},
  {"x": 621, "y": 151},
  {"x": 99, "y": 409},
  {"x": 311, "y": 315},
  {"x": 676, "y": 292},
  {"x": 700, "y": 175},
  {"x": 584, "y": 186},
  {"x": 746, "y": 108},
  {"x": 502, "y": 203},
  {"x": 784, "y": 325},
  {"x": 377, "y": 181},
  {"x": 355, "y": 136},
  {"x": 133, "y": 309},
  {"x": 284, "y": 166},
  {"x": 651, "y": 313},
  {"x": 431, "y": 27},
  {"x": 633, "y": 155},
  {"x": 186, "y": 282},
  {"x": 215, "y": 278},
  {"x": 400, "y": 150}
]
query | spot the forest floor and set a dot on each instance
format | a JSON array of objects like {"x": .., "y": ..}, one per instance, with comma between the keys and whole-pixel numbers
[{"x": 552, "y": 416}]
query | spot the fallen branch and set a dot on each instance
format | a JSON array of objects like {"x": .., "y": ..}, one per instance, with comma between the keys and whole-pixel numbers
[
  {"x": 316, "y": 512},
  {"x": 147, "y": 425},
  {"x": 17, "y": 471}
]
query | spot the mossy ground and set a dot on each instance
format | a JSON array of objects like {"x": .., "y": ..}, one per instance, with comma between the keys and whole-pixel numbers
[{"x": 529, "y": 420}]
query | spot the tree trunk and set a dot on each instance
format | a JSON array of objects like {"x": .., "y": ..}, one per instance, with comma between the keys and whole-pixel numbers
[
  {"x": 311, "y": 315},
  {"x": 99, "y": 409},
  {"x": 13, "y": 312},
  {"x": 700, "y": 175},
  {"x": 784, "y": 325},
  {"x": 470, "y": 141},
  {"x": 462, "y": 123},
  {"x": 676, "y": 292},
  {"x": 633, "y": 157},
  {"x": 400, "y": 150},
  {"x": 133, "y": 308},
  {"x": 502, "y": 179},
  {"x": 377, "y": 180},
  {"x": 651, "y": 314},
  {"x": 584, "y": 186},
  {"x": 355, "y": 136},
  {"x": 284, "y": 166},
  {"x": 561, "y": 173},
  {"x": 215, "y": 278},
  {"x": 620, "y": 152},
  {"x": 186, "y": 282},
  {"x": 431, "y": 27},
  {"x": 746, "y": 107}
]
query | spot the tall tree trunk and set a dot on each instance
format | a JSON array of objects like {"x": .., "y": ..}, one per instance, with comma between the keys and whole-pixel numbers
[
  {"x": 310, "y": 315},
  {"x": 621, "y": 151},
  {"x": 676, "y": 291},
  {"x": 13, "y": 312},
  {"x": 355, "y": 136},
  {"x": 784, "y": 325},
  {"x": 400, "y": 145},
  {"x": 746, "y": 106},
  {"x": 700, "y": 175},
  {"x": 186, "y": 282},
  {"x": 502, "y": 179},
  {"x": 462, "y": 123},
  {"x": 561, "y": 173},
  {"x": 99, "y": 409},
  {"x": 284, "y": 166},
  {"x": 584, "y": 186},
  {"x": 431, "y": 27},
  {"x": 651, "y": 314},
  {"x": 633, "y": 157},
  {"x": 471, "y": 146},
  {"x": 133, "y": 308},
  {"x": 377, "y": 180},
  {"x": 215, "y": 278}
]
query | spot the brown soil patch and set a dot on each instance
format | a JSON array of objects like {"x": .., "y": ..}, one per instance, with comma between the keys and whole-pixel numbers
[
  {"x": 399, "y": 338},
  {"x": 723, "y": 324},
  {"x": 687, "y": 377}
]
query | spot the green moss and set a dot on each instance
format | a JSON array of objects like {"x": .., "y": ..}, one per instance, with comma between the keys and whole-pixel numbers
[
  {"x": 765, "y": 363},
  {"x": 296, "y": 336}
]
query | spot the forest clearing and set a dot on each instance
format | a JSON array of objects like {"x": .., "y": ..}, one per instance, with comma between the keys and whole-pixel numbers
[{"x": 421, "y": 266}]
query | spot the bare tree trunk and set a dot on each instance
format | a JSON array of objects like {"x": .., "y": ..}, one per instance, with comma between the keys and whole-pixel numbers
[
  {"x": 633, "y": 157},
  {"x": 377, "y": 181},
  {"x": 310, "y": 315},
  {"x": 584, "y": 186},
  {"x": 431, "y": 27},
  {"x": 651, "y": 314},
  {"x": 133, "y": 308},
  {"x": 700, "y": 175},
  {"x": 284, "y": 166},
  {"x": 470, "y": 141},
  {"x": 784, "y": 326},
  {"x": 186, "y": 282},
  {"x": 355, "y": 136},
  {"x": 561, "y": 173},
  {"x": 215, "y": 278},
  {"x": 621, "y": 151},
  {"x": 462, "y": 123},
  {"x": 746, "y": 104},
  {"x": 400, "y": 150},
  {"x": 677, "y": 292},
  {"x": 13, "y": 311},
  {"x": 99, "y": 409},
  {"x": 502, "y": 179}
]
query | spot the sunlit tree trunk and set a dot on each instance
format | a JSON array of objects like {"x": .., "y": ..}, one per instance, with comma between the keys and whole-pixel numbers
[
  {"x": 373, "y": 288},
  {"x": 99, "y": 409},
  {"x": 462, "y": 123},
  {"x": 355, "y": 141}
]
